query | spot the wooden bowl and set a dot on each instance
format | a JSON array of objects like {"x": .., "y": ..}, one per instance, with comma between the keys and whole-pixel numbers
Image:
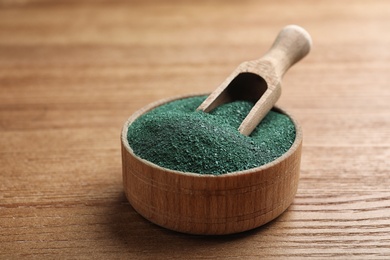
[{"x": 209, "y": 204}]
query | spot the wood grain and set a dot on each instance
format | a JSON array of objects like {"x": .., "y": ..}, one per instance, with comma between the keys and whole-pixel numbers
[{"x": 71, "y": 72}]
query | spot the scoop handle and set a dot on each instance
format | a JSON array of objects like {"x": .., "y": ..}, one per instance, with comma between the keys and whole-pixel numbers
[{"x": 290, "y": 46}]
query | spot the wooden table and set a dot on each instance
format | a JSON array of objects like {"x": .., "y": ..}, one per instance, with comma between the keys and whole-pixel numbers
[{"x": 71, "y": 72}]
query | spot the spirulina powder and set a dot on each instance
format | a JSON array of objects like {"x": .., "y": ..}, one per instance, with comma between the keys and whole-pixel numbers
[{"x": 178, "y": 137}]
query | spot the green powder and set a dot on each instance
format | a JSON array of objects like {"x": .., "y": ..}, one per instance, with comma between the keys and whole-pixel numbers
[{"x": 178, "y": 137}]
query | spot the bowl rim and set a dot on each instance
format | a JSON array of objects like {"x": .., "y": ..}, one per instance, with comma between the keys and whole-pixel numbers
[{"x": 150, "y": 106}]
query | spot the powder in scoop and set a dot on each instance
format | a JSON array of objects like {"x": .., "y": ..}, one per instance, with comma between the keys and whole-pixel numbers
[{"x": 177, "y": 137}]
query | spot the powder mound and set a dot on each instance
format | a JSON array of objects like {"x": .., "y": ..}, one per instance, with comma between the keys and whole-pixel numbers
[{"x": 178, "y": 137}]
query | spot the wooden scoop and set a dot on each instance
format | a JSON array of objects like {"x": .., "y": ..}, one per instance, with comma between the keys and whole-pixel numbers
[{"x": 259, "y": 80}]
